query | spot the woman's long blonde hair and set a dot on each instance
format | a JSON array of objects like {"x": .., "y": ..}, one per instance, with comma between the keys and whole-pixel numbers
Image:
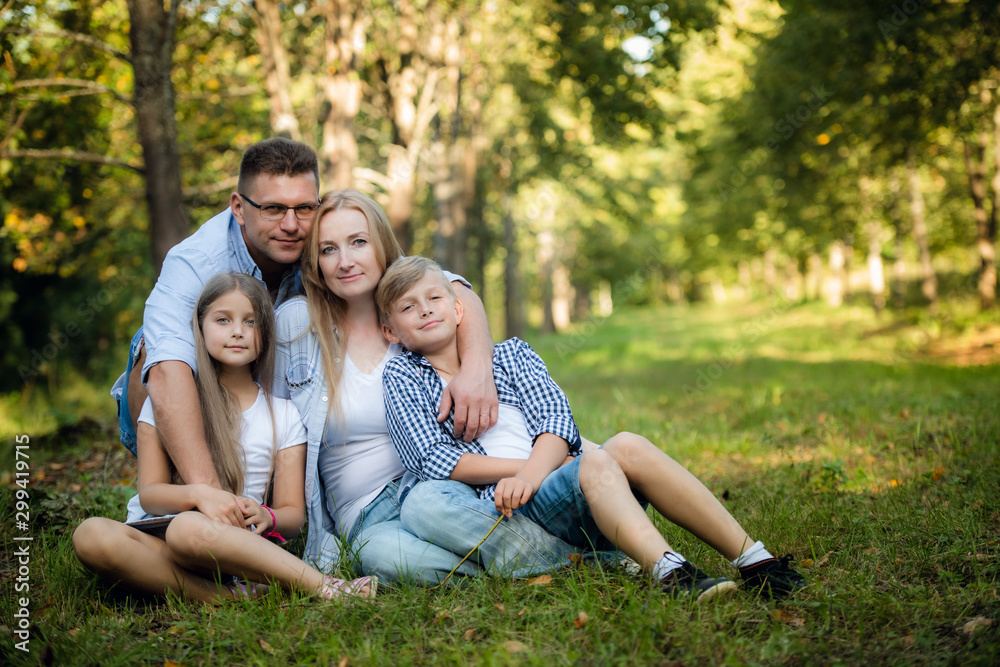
[
  {"x": 220, "y": 409},
  {"x": 327, "y": 311}
]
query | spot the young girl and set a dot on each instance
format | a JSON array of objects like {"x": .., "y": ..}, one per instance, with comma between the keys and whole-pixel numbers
[{"x": 219, "y": 534}]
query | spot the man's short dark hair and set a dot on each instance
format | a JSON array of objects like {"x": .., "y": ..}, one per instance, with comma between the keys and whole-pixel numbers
[{"x": 276, "y": 157}]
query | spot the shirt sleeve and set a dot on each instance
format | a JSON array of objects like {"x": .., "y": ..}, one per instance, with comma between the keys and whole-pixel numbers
[
  {"x": 423, "y": 445},
  {"x": 292, "y": 431},
  {"x": 166, "y": 321},
  {"x": 294, "y": 343},
  {"x": 542, "y": 400},
  {"x": 146, "y": 413},
  {"x": 455, "y": 278}
]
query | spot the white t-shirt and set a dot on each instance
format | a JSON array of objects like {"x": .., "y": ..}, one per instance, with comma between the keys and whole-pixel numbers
[
  {"x": 357, "y": 456},
  {"x": 256, "y": 437},
  {"x": 510, "y": 437}
]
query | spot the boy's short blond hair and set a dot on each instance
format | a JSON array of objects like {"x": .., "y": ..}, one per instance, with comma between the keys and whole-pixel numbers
[{"x": 399, "y": 277}]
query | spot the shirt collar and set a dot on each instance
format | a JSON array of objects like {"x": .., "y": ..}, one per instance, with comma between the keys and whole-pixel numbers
[
  {"x": 291, "y": 282},
  {"x": 244, "y": 262}
]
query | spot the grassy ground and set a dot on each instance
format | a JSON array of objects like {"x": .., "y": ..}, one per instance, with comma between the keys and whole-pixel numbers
[{"x": 863, "y": 448}]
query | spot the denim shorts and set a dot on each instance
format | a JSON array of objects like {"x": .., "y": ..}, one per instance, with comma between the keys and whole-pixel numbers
[
  {"x": 119, "y": 392},
  {"x": 560, "y": 507}
]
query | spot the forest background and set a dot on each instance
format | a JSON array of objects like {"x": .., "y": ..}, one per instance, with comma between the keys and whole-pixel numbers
[{"x": 567, "y": 157}]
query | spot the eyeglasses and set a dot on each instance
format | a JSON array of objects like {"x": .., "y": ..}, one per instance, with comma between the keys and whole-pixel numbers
[{"x": 303, "y": 212}]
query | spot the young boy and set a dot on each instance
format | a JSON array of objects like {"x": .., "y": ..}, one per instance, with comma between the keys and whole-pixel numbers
[{"x": 531, "y": 461}]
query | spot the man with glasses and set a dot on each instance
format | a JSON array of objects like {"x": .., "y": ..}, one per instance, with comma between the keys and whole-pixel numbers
[{"x": 262, "y": 234}]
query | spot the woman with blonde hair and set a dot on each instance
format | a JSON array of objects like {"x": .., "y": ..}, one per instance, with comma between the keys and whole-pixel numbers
[{"x": 331, "y": 353}]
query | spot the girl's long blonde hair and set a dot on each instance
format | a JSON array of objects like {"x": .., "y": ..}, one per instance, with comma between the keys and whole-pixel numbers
[
  {"x": 220, "y": 409},
  {"x": 327, "y": 311}
]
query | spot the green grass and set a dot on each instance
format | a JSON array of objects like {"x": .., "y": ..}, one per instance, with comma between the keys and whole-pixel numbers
[{"x": 829, "y": 434}]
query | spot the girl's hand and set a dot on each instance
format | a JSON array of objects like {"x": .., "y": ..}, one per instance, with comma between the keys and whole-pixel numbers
[
  {"x": 219, "y": 505},
  {"x": 512, "y": 493},
  {"x": 256, "y": 516}
]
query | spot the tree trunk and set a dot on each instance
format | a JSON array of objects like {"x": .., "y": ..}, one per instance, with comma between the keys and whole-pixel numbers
[
  {"x": 898, "y": 265},
  {"x": 835, "y": 281},
  {"x": 343, "y": 40},
  {"x": 873, "y": 230},
  {"x": 988, "y": 250},
  {"x": 151, "y": 34},
  {"x": 928, "y": 284},
  {"x": 975, "y": 168},
  {"x": 411, "y": 117},
  {"x": 581, "y": 302},
  {"x": 513, "y": 301},
  {"x": 546, "y": 269},
  {"x": 277, "y": 75}
]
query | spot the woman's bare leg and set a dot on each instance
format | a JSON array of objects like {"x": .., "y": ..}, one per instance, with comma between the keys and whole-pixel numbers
[
  {"x": 145, "y": 563},
  {"x": 677, "y": 494}
]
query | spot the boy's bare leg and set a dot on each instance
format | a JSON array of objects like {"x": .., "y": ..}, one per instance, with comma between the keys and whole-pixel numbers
[
  {"x": 140, "y": 561},
  {"x": 617, "y": 513},
  {"x": 677, "y": 494}
]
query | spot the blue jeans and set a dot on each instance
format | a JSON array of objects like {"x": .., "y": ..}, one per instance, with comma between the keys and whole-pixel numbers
[
  {"x": 452, "y": 515},
  {"x": 119, "y": 392},
  {"x": 386, "y": 549},
  {"x": 561, "y": 508}
]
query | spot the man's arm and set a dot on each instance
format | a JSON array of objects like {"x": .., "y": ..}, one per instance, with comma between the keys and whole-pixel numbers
[
  {"x": 170, "y": 358},
  {"x": 472, "y": 392},
  {"x": 177, "y": 413}
]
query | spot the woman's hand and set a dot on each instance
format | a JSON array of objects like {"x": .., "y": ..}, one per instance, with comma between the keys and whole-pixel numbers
[
  {"x": 512, "y": 493},
  {"x": 219, "y": 505},
  {"x": 255, "y": 518},
  {"x": 474, "y": 396}
]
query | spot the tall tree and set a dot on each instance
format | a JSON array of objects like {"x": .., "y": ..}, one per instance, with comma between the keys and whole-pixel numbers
[{"x": 151, "y": 33}]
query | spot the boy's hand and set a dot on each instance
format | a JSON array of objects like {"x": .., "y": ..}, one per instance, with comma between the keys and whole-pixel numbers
[
  {"x": 256, "y": 516},
  {"x": 512, "y": 493}
]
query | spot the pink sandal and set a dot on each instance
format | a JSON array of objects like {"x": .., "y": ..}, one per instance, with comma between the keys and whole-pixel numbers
[{"x": 333, "y": 588}]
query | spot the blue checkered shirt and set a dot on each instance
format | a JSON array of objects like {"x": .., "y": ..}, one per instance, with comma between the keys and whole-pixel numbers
[{"x": 430, "y": 449}]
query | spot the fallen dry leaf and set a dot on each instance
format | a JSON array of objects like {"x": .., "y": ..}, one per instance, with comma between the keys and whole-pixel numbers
[
  {"x": 580, "y": 620},
  {"x": 513, "y": 646},
  {"x": 976, "y": 623},
  {"x": 806, "y": 562},
  {"x": 938, "y": 473},
  {"x": 543, "y": 580},
  {"x": 522, "y": 612},
  {"x": 785, "y": 617},
  {"x": 909, "y": 641},
  {"x": 267, "y": 647},
  {"x": 822, "y": 561},
  {"x": 343, "y": 662},
  {"x": 441, "y": 615},
  {"x": 502, "y": 608},
  {"x": 171, "y": 663},
  {"x": 469, "y": 634}
]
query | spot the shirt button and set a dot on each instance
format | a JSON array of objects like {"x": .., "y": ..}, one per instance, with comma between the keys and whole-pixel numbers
[{"x": 324, "y": 399}]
